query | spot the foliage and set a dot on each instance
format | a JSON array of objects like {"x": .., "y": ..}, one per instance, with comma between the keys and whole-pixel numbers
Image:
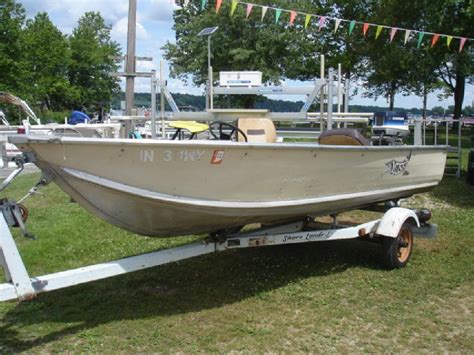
[
  {"x": 12, "y": 17},
  {"x": 280, "y": 50},
  {"x": 46, "y": 61},
  {"x": 92, "y": 53},
  {"x": 53, "y": 71}
]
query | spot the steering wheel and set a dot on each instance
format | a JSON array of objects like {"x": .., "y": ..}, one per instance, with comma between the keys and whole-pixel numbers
[{"x": 232, "y": 136}]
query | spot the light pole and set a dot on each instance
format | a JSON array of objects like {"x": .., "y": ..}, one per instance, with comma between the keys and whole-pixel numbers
[{"x": 209, "y": 31}]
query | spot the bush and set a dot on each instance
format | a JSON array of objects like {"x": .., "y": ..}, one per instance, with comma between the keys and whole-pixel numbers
[{"x": 54, "y": 116}]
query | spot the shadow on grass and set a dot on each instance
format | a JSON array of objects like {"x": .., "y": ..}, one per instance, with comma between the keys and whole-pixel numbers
[
  {"x": 205, "y": 282},
  {"x": 455, "y": 191}
]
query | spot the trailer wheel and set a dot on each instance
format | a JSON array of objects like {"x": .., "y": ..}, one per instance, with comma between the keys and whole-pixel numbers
[
  {"x": 397, "y": 251},
  {"x": 23, "y": 213}
]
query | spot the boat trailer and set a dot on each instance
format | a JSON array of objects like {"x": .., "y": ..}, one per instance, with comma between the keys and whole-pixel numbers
[{"x": 395, "y": 230}]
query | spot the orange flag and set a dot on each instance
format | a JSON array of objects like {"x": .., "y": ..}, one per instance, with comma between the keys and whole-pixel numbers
[
  {"x": 292, "y": 17},
  {"x": 365, "y": 27},
  {"x": 218, "y": 5}
]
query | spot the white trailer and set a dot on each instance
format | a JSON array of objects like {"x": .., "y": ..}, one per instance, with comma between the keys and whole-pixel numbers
[{"x": 395, "y": 231}]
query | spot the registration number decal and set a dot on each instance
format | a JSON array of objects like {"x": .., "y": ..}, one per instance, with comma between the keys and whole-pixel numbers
[{"x": 217, "y": 157}]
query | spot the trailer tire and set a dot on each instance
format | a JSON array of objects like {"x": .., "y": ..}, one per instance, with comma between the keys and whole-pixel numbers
[{"x": 397, "y": 251}]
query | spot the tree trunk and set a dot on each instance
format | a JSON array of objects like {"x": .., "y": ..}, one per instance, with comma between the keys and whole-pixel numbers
[
  {"x": 459, "y": 94},
  {"x": 392, "y": 96},
  {"x": 425, "y": 101}
]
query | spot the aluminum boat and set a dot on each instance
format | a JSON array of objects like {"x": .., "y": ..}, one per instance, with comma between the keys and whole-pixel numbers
[{"x": 168, "y": 188}]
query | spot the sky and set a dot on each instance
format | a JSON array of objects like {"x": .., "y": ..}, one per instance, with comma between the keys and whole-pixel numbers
[{"x": 155, "y": 28}]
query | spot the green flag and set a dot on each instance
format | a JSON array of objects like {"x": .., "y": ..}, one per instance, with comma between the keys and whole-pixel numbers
[
  {"x": 420, "y": 38},
  {"x": 277, "y": 15},
  {"x": 351, "y": 26}
]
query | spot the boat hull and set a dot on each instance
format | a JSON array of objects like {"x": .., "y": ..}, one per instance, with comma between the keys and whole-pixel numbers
[{"x": 166, "y": 188}]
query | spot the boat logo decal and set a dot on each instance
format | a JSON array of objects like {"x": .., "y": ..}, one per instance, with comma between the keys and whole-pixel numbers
[
  {"x": 217, "y": 157},
  {"x": 396, "y": 167},
  {"x": 307, "y": 236}
]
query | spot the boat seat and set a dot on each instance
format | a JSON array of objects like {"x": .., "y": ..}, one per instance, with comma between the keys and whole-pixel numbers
[
  {"x": 342, "y": 136},
  {"x": 191, "y": 126},
  {"x": 257, "y": 130}
]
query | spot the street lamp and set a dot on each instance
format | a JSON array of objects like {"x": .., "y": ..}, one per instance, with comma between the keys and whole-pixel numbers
[{"x": 209, "y": 31}]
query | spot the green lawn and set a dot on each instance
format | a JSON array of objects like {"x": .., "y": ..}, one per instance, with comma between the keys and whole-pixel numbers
[{"x": 321, "y": 297}]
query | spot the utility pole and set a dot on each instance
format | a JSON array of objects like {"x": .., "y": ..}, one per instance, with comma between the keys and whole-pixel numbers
[{"x": 130, "y": 64}]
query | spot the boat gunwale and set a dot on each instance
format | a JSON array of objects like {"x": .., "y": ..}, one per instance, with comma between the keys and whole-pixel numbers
[{"x": 26, "y": 139}]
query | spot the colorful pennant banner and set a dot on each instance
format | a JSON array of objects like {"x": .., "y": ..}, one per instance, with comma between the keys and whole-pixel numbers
[
  {"x": 393, "y": 31},
  {"x": 351, "y": 26},
  {"x": 218, "y": 5},
  {"x": 434, "y": 39},
  {"x": 407, "y": 36},
  {"x": 264, "y": 11},
  {"x": 322, "y": 22},
  {"x": 337, "y": 23},
  {"x": 365, "y": 27},
  {"x": 307, "y": 20},
  {"x": 292, "y": 17},
  {"x": 277, "y": 15},
  {"x": 233, "y": 7},
  {"x": 249, "y": 9},
  {"x": 378, "y": 31}
]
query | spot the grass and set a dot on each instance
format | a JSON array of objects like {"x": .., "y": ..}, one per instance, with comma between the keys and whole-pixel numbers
[{"x": 321, "y": 297}]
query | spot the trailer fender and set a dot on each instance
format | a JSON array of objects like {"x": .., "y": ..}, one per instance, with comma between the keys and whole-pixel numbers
[{"x": 393, "y": 220}]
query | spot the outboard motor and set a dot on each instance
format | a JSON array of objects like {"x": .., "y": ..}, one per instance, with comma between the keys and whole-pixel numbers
[{"x": 389, "y": 128}]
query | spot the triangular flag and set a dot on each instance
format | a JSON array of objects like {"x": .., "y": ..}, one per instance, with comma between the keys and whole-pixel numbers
[
  {"x": 203, "y": 4},
  {"x": 277, "y": 15},
  {"x": 434, "y": 39},
  {"x": 420, "y": 38},
  {"x": 233, "y": 7},
  {"x": 337, "y": 23},
  {"x": 306, "y": 20},
  {"x": 351, "y": 26},
  {"x": 249, "y": 9},
  {"x": 448, "y": 40},
  {"x": 462, "y": 43},
  {"x": 322, "y": 20},
  {"x": 378, "y": 31},
  {"x": 292, "y": 17},
  {"x": 392, "y": 33},
  {"x": 218, "y": 5},
  {"x": 407, "y": 35},
  {"x": 264, "y": 11},
  {"x": 365, "y": 27}
]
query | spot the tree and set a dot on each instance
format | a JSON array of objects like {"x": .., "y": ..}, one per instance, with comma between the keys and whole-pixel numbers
[
  {"x": 438, "y": 110},
  {"x": 12, "y": 17},
  {"x": 45, "y": 63},
  {"x": 456, "y": 70},
  {"x": 240, "y": 44},
  {"x": 92, "y": 61}
]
